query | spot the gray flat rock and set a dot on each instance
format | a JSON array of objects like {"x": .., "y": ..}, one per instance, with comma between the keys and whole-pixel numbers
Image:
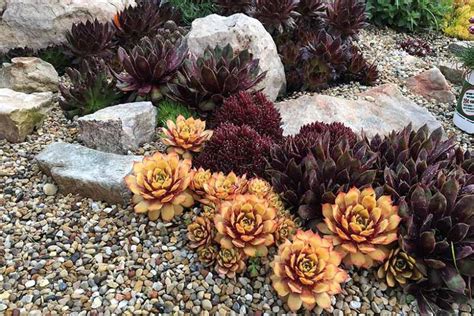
[{"x": 90, "y": 173}]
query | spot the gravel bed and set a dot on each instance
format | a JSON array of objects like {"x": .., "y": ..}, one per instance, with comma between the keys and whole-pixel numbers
[{"x": 71, "y": 255}]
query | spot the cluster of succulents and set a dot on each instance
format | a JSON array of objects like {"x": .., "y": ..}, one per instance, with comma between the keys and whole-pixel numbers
[{"x": 314, "y": 38}]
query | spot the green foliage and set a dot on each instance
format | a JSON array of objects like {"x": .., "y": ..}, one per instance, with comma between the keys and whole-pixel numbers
[
  {"x": 466, "y": 56},
  {"x": 408, "y": 15},
  {"x": 169, "y": 110},
  {"x": 191, "y": 10}
]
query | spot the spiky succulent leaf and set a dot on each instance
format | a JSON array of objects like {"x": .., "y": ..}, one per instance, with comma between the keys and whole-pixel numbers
[
  {"x": 204, "y": 82},
  {"x": 150, "y": 65},
  {"x": 313, "y": 15},
  {"x": 91, "y": 89},
  {"x": 416, "y": 47},
  {"x": 89, "y": 39},
  {"x": 358, "y": 69}
]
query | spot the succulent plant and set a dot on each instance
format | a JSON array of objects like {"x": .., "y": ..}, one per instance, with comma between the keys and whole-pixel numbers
[
  {"x": 199, "y": 179},
  {"x": 200, "y": 232},
  {"x": 230, "y": 262},
  {"x": 400, "y": 268},
  {"x": 347, "y": 17},
  {"x": 361, "y": 226},
  {"x": 223, "y": 187},
  {"x": 252, "y": 109},
  {"x": 150, "y": 65},
  {"x": 203, "y": 83},
  {"x": 57, "y": 55},
  {"x": 286, "y": 229},
  {"x": 91, "y": 39},
  {"x": 259, "y": 187},
  {"x": 323, "y": 59},
  {"x": 439, "y": 232},
  {"x": 336, "y": 130},
  {"x": 358, "y": 69},
  {"x": 91, "y": 89},
  {"x": 185, "y": 136},
  {"x": 235, "y": 148},
  {"x": 247, "y": 223},
  {"x": 306, "y": 272},
  {"x": 313, "y": 15},
  {"x": 144, "y": 19},
  {"x": 277, "y": 15},
  {"x": 410, "y": 157},
  {"x": 208, "y": 255},
  {"x": 172, "y": 32},
  {"x": 170, "y": 110},
  {"x": 160, "y": 186},
  {"x": 309, "y": 173},
  {"x": 416, "y": 47},
  {"x": 229, "y": 7}
]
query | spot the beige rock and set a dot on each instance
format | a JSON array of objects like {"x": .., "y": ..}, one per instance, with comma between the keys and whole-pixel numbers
[
  {"x": 29, "y": 74},
  {"x": 21, "y": 113},
  {"x": 432, "y": 85},
  {"x": 40, "y": 23},
  {"x": 388, "y": 111},
  {"x": 241, "y": 32},
  {"x": 90, "y": 173}
]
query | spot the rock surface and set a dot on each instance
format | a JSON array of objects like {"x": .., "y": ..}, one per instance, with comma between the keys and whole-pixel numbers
[
  {"x": 119, "y": 128},
  {"x": 87, "y": 172},
  {"x": 21, "y": 113},
  {"x": 242, "y": 32},
  {"x": 29, "y": 74},
  {"x": 431, "y": 84},
  {"x": 39, "y": 23},
  {"x": 452, "y": 71},
  {"x": 458, "y": 46},
  {"x": 387, "y": 110}
]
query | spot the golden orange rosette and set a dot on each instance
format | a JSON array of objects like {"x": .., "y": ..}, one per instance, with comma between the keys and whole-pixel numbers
[
  {"x": 361, "y": 226},
  {"x": 248, "y": 223},
  {"x": 229, "y": 262},
  {"x": 222, "y": 187},
  {"x": 286, "y": 228},
  {"x": 208, "y": 255},
  {"x": 200, "y": 232},
  {"x": 185, "y": 136},
  {"x": 200, "y": 177},
  {"x": 159, "y": 185},
  {"x": 306, "y": 271}
]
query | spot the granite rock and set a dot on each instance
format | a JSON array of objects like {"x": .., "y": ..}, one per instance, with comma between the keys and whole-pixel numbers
[{"x": 431, "y": 84}]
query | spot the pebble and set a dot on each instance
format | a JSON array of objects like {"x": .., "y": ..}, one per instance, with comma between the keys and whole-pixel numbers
[
  {"x": 30, "y": 283},
  {"x": 50, "y": 189},
  {"x": 206, "y": 304}
]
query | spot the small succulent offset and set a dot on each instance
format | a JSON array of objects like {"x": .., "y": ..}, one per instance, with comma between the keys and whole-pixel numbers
[
  {"x": 416, "y": 47},
  {"x": 252, "y": 109},
  {"x": 91, "y": 89},
  {"x": 361, "y": 226},
  {"x": 223, "y": 187},
  {"x": 185, "y": 136},
  {"x": 203, "y": 83},
  {"x": 235, "y": 148},
  {"x": 247, "y": 223},
  {"x": 306, "y": 271},
  {"x": 201, "y": 232},
  {"x": 160, "y": 186},
  {"x": 439, "y": 232},
  {"x": 400, "y": 269},
  {"x": 229, "y": 262},
  {"x": 150, "y": 65},
  {"x": 91, "y": 39}
]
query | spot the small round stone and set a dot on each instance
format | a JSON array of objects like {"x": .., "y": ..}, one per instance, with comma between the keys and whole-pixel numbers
[{"x": 50, "y": 189}]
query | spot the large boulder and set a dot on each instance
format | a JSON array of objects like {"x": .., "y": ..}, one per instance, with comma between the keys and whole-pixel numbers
[
  {"x": 21, "y": 113},
  {"x": 432, "y": 85},
  {"x": 378, "y": 111},
  {"x": 241, "y": 32},
  {"x": 87, "y": 172},
  {"x": 39, "y": 23},
  {"x": 119, "y": 128},
  {"x": 29, "y": 74}
]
